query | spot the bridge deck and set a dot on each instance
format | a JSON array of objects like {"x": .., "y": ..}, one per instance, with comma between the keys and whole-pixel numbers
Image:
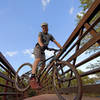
[{"x": 54, "y": 97}]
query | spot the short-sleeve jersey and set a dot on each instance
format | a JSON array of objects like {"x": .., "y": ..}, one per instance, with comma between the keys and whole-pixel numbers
[{"x": 45, "y": 38}]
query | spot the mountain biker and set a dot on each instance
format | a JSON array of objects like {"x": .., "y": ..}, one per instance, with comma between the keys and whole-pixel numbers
[{"x": 43, "y": 40}]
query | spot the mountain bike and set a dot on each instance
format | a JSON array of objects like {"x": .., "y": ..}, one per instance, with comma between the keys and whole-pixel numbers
[
  {"x": 24, "y": 72},
  {"x": 60, "y": 80}
]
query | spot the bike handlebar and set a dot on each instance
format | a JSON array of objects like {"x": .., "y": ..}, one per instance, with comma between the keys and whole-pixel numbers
[{"x": 52, "y": 49}]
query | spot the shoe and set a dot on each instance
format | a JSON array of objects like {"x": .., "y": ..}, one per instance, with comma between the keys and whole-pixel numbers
[{"x": 34, "y": 84}]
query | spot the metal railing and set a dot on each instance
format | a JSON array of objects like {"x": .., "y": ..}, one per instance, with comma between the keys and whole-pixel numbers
[
  {"x": 83, "y": 38},
  {"x": 7, "y": 76},
  {"x": 73, "y": 56}
]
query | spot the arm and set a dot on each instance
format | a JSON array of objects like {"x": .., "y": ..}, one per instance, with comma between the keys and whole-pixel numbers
[
  {"x": 40, "y": 42},
  {"x": 57, "y": 44}
]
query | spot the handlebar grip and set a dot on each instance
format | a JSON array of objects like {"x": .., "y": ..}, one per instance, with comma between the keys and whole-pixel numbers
[{"x": 52, "y": 49}]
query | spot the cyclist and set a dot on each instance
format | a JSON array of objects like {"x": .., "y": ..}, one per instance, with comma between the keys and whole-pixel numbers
[{"x": 43, "y": 40}]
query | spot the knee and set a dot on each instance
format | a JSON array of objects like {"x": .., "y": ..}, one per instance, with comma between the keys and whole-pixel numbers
[{"x": 37, "y": 60}]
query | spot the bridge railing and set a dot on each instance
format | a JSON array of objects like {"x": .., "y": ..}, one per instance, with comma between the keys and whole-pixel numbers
[
  {"x": 83, "y": 39},
  {"x": 7, "y": 76},
  {"x": 74, "y": 53}
]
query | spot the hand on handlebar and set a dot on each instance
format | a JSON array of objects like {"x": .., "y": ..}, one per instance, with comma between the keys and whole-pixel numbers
[
  {"x": 52, "y": 49},
  {"x": 43, "y": 48}
]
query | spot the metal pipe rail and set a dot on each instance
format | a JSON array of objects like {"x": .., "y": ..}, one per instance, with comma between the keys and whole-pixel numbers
[
  {"x": 7, "y": 75},
  {"x": 63, "y": 74},
  {"x": 74, "y": 52}
]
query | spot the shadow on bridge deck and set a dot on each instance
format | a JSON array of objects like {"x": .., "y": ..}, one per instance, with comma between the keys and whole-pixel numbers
[{"x": 54, "y": 97}]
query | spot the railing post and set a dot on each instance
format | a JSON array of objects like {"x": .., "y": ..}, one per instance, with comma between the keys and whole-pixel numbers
[
  {"x": 5, "y": 90},
  {"x": 74, "y": 61}
]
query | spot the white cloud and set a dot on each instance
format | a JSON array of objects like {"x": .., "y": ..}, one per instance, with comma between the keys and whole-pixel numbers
[
  {"x": 11, "y": 54},
  {"x": 71, "y": 10},
  {"x": 45, "y": 3},
  {"x": 29, "y": 52}
]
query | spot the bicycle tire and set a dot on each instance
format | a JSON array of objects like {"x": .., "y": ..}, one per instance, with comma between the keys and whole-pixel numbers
[
  {"x": 77, "y": 76},
  {"x": 17, "y": 78}
]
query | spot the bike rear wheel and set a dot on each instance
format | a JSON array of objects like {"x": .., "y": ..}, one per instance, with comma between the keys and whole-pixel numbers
[
  {"x": 22, "y": 77},
  {"x": 67, "y": 86}
]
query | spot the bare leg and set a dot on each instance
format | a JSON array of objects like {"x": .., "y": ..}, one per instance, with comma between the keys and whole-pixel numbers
[
  {"x": 33, "y": 83},
  {"x": 35, "y": 65}
]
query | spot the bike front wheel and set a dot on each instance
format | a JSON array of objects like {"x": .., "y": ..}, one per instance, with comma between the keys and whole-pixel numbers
[
  {"x": 67, "y": 84},
  {"x": 22, "y": 77}
]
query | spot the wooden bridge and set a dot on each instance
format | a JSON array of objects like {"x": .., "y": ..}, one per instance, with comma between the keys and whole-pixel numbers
[{"x": 72, "y": 58}]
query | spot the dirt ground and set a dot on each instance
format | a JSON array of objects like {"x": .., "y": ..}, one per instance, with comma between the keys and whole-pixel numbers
[{"x": 54, "y": 97}]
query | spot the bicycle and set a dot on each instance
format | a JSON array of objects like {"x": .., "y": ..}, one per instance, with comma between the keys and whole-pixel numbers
[
  {"x": 25, "y": 76},
  {"x": 22, "y": 81}
]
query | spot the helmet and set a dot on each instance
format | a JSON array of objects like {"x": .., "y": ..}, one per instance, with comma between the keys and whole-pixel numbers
[{"x": 44, "y": 24}]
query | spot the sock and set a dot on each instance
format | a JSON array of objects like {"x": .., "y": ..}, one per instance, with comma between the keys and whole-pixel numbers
[{"x": 32, "y": 76}]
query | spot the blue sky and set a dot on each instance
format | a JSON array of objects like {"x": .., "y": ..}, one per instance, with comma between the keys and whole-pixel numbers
[{"x": 20, "y": 22}]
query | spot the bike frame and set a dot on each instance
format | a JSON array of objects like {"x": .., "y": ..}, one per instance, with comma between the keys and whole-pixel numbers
[{"x": 44, "y": 61}]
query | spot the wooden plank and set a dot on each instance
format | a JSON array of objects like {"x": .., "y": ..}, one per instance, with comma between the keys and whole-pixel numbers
[
  {"x": 5, "y": 77},
  {"x": 9, "y": 93},
  {"x": 91, "y": 89},
  {"x": 7, "y": 86},
  {"x": 92, "y": 32},
  {"x": 6, "y": 63},
  {"x": 85, "y": 47}
]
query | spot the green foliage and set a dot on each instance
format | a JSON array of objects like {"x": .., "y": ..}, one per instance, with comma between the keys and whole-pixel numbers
[
  {"x": 31, "y": 93},
  {"x": 94, "y": 66},
  {"x": 2, "y": 89},
  {"x": 85, "y": 80},
  {"x": 2, "y": 81},
  {"x": 85, "y": 5}
]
